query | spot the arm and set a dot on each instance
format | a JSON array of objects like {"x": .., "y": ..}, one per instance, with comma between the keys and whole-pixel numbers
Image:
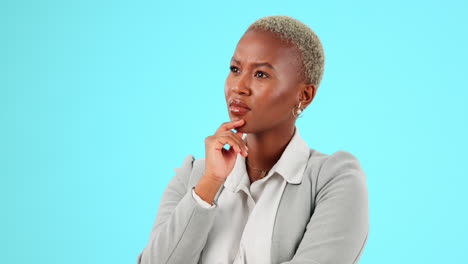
[
  {"x": 337, "y": 231},
  {"x": 181, "y": 226}
]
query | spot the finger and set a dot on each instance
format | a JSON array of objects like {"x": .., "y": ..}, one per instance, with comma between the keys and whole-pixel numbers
[
  {"x": 240, "y": 141},
  {"x": 240, "y": 135},
  {"x": 237, "y": 136},
  {"x": 234, "y": 141},
  {"x": 220, "y": 141},
  {"x": 230, "y": 125}
]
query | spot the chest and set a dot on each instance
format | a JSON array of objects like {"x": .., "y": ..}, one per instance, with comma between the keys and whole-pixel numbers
[
  {"x": 279, "y": 224},
  {"x": 242, "y": 230},
  {"x": 294, "y": 211}
]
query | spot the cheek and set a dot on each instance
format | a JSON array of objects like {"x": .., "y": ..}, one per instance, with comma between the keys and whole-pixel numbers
[
  {"x": 275, "y": 105},
  {"x": 282, "y": 101},
  {"x": 227, "y": 90},
  {"x": 282, "y": 105}
]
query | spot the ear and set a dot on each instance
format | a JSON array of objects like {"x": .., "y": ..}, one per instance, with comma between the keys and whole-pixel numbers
[{"x": 307, "y": 93}]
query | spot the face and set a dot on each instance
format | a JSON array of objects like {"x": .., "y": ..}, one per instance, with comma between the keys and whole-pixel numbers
[{"x": 265, "y": 76}]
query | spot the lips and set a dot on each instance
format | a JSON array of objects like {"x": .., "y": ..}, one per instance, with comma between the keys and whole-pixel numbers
[{"x": 238, "y": 107}]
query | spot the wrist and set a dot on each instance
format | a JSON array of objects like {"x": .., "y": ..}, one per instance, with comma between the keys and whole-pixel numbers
[
  {"x": 213, "y": 179},
  {"x": 207, "y": 187}
]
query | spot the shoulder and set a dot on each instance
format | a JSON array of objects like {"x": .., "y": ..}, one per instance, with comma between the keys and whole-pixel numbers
[
  {"x": 190, "y": 170},
  {"x": 339, "y": 160},
  {"x": 342, "y": 160},
  {"x": 187, "y": 164},
  {"x": 341, "y": 167}
]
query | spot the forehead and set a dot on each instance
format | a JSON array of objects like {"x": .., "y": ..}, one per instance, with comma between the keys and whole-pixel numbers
[{"x": 265, "y": 46}]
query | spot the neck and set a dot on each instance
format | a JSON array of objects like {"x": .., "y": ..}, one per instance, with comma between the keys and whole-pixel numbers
[{"x": 266, "y": 148}]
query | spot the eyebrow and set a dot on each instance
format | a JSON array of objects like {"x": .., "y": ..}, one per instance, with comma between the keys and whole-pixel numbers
[{"x": 258, "y": 64}]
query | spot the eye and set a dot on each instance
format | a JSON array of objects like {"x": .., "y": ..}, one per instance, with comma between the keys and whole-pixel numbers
[
  {"x": 234, "y": 69},
  {"x": 261, "y": 74}
]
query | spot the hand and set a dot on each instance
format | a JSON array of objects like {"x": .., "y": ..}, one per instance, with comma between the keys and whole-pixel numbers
[{"x": 219, "y": 162}]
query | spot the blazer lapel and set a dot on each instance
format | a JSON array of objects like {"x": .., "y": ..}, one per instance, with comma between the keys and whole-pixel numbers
[
  {"x": 279, "y": 247},
  {"x": 292, "y": 217}
]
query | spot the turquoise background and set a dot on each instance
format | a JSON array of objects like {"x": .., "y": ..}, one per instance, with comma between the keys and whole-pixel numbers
[{"x": 101, "y": 100}]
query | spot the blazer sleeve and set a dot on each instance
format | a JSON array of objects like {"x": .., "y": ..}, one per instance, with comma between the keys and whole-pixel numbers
[
  {"x": 338, "y": 229},
  {"x": 181, "y": 226}
]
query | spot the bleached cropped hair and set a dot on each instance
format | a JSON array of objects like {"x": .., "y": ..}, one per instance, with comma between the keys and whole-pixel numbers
[{"x": 303, "y": 37}]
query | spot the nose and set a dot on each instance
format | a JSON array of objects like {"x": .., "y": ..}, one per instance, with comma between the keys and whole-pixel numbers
[{"x": 241, "y": 84}]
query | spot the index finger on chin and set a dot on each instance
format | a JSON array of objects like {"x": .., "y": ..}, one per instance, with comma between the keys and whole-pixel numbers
[{"x": 230, "y": 125}]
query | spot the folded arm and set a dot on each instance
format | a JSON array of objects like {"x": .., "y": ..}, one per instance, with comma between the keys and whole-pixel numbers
[
  {"x": 338, "y": 229},
  {"x": 182, "y": 224}
]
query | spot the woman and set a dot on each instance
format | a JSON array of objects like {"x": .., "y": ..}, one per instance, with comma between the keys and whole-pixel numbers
[{"x": 269, "y": 198}]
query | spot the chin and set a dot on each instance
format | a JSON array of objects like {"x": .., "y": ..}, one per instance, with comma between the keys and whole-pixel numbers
[
  {"x": 244, "y": 128},
  {"x": 241, "y": 129}
]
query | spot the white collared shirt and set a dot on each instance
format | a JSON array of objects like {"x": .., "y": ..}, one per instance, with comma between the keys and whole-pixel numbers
[{"x": 242, "y": 230}]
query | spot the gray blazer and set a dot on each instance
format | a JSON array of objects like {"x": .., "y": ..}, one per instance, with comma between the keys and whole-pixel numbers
[{"x": 321, "y": 220}]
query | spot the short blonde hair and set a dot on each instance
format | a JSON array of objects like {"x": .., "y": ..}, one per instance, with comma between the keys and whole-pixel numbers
[{"x": 303, "y": 37}]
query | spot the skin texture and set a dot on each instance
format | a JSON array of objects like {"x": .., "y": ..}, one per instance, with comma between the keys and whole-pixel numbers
[{"x": 271, "y": 93}]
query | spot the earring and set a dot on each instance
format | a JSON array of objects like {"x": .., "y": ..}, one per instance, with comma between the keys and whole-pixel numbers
[{"x": 297, "y": 112}]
